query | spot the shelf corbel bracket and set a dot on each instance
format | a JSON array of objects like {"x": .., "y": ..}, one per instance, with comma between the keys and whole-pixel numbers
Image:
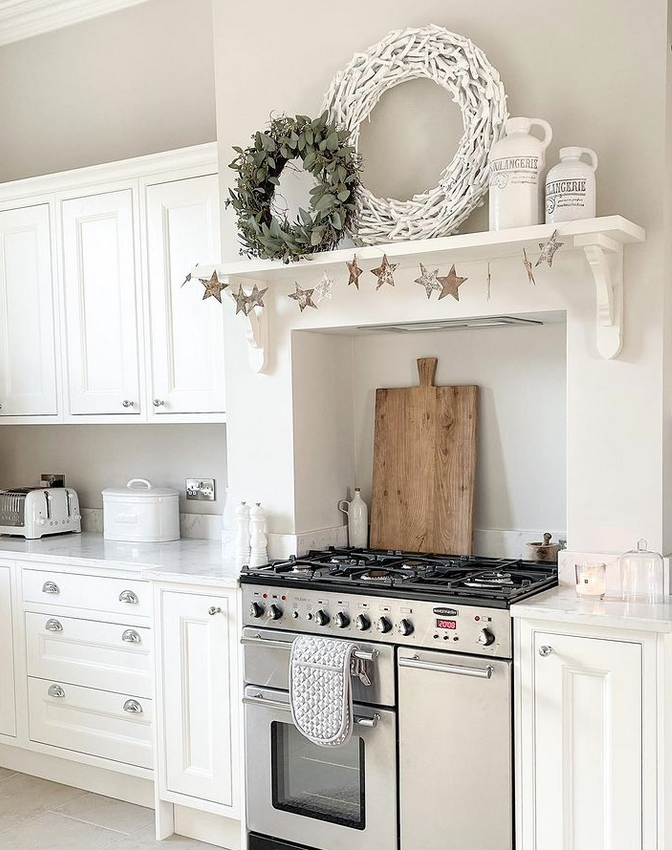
[
  {"x": 256, "y": 324},
  {"x": 605, "y": 259}
]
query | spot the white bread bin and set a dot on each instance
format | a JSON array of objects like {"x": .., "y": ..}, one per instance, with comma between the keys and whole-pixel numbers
[{"x": 141, "y": 513}]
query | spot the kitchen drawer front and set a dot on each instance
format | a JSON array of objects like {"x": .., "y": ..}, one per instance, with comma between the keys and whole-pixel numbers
[
  {"x": 106, "y": 656},
  {"x": 98, "y": 723},
  {"x": 95, "y": 593}
]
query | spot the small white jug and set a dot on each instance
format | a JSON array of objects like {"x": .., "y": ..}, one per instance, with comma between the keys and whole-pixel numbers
[
  {"x": 570, "y": 186},
  {"x": 357, "y": 513}
]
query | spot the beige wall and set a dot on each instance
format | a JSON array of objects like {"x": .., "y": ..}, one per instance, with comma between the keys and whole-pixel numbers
[
  {"x": 133, "y": 82},
  {"x": 97, "y": 456}
]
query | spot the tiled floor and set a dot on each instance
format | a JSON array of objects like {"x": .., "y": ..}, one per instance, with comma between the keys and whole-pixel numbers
[{"x": 40, "y": 815}]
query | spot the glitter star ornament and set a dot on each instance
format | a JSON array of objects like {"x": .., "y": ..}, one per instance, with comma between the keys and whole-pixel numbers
[
  {"x": 303, "y": 297},
  {"x": 354, "y": 271},
  {"x": 213, "y": 288},
  {"x": 429, "y": 280},
  {"x": 451, "y": 283},
  {"x": 528, "y": 268},
  {"x": 548, "y": 250},
  {"x": 385, "y": 272},
  {"x": 243, "y": 301},
  {"x": 256, "y": 297},
  {"x": 323, "y": 290}
]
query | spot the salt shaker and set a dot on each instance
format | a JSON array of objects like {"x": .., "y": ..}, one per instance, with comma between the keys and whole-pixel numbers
[
  {"x": 242, "y": 534},
  {"x": 258, "y": 539}
]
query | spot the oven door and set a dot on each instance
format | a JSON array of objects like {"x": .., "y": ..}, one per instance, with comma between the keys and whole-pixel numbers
[{"x": 331, "y": 798}]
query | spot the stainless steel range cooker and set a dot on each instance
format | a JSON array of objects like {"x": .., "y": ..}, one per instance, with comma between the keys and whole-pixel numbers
[{"x": 430, "y": 764}]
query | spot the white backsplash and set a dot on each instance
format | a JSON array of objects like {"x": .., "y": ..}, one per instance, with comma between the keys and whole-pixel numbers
[{"x": 192, "y": 526}]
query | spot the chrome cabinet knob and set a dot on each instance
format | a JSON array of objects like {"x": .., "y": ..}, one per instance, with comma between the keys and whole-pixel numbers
[
  {"x": 131, "y": 636},
  {"x": 127, "y": 403},
  {"x": 50, "y": 587},
  {"x": 53, "y": 625},
  {"x": 56, "y": 691},
  {"x": 129, "y": 597},
  {"x": 158, "y": 402},
  {"x": 256, "y": 610},
  {"x": 212, "y": 610},
  {"x": 363, "y": 623},
  {"x": 486, "y": 637},
  {"x": 545, "y": 651},
  {"x": 132, "y": 706}
]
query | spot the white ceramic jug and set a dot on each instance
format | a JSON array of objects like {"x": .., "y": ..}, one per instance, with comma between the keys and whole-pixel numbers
[
  {"x": 516, "y": 165},
  {"x": 570, "y": 186},
  {"x": 357, "y": 513}
]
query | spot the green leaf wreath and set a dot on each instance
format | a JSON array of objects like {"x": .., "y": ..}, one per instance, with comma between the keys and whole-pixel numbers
[{"x": 326, "y": 153}]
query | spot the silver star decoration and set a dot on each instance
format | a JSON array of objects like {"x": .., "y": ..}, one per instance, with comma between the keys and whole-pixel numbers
[
  {"x": 451, "y": 283},
  {"x": 429, "y": 280},
  {"x": 257, "y": 297},
  {"x": 528, "y": 268},
  {"x": 303, "y": 297},
  {"x": 385, "y": 272},
  {"x": 243, "y": 301},
  {"x": 323, "y": 290},
  {"x": 548, "y": 250},
  {"x": 354, "y": 271},
  {"x": 213, "y": 288},
  {"x": 188, "y": 277}
]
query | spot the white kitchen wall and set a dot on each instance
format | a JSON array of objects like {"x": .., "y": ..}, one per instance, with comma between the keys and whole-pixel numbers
[
  {"x": 97, "y": 456},
  {"x": 521, "y": 373}
]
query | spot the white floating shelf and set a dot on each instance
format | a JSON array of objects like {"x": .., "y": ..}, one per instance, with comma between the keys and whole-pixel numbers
[{"x": 600, "y": 239}]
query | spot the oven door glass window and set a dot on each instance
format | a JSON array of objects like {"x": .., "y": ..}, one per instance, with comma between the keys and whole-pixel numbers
[{"x": 318, "y": 782}]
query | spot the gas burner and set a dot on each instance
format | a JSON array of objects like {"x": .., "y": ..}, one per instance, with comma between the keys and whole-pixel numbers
[
  {"x": 498, "y": 577},
  {"x": 302, "y": 567},
  {"x": 410, "y": 564},
  {"x": 375, "y": 575}
]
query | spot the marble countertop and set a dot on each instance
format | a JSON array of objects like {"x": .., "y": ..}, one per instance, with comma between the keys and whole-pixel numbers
[
  {"x": 190, "y": 561},
  {"x": 561, "y": 604}
]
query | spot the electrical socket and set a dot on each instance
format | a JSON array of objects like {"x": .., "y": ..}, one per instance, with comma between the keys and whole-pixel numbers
[
  {"x": 201, "y": 489},
  {"x": 51, "y": 479}
]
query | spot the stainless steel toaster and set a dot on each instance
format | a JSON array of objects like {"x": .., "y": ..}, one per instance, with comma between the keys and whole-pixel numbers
[{"x": 32, "y": 512}]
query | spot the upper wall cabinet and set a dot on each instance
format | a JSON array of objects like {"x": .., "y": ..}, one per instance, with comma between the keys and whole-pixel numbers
[
  {"x": 28, "y": 359},
  {"x": 95, "y": 323},
  {"x": 186, "y": 349},
  {"x": 101, "y": 311}
]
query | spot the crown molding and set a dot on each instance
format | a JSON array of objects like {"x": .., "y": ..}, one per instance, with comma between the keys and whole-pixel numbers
[{"x": 21, "y": 19}]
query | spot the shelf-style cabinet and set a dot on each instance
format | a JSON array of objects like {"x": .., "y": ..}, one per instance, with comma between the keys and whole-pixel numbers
[
  {"x": 588, "y": 757},
  {"x": 101, "y": 304},
  {"x": 186, "y": 349},
  {"x": 198, "y": 695},
  {"x": 28, "y": 354},
  {"x": 7, "y": 689}
]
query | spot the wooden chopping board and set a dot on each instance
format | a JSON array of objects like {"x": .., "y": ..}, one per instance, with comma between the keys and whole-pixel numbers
[{"x": 424, "y": 466}]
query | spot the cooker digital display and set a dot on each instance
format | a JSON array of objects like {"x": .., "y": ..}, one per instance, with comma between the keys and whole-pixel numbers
[{"x": 446, "y": 624}]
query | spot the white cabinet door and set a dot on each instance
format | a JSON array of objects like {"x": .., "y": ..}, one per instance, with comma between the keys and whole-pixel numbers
[
  {"x": 7, "y": 704},
  {"x": 101, "y": 304},
  {"x": 200, "y": 701},
  {"x": 187, "y": 333},
  {"x": 587, "y": 714},
  {"x": 27, "y": 332}
]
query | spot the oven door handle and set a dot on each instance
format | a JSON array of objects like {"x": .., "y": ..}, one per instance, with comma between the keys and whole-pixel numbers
[
  {"x": 371, "y": 722},
  {"x": 257, "y": 640},
  {"x": 476, "y": 672}
]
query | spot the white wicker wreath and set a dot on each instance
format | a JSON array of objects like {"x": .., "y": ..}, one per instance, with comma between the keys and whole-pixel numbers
[{"x": 455, "y": 63}]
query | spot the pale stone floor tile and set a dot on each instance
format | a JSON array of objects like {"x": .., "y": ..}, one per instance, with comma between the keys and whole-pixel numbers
[
  {"x": 109, "y": 813},
  {"x": 52, "y": 831},
  {"x": 24, "y": 797},
  {"x": 144, "y": 840},
  {"x": 5, "y": 773}
]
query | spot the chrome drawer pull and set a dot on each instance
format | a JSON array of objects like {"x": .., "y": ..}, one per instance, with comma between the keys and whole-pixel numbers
[
  {"x": 477, "y": 672},
  {"x": 371, "y": 722},
  {"x": 131, "y": 636},
  {"x": 53, "y": 626},
  {"x": 50, "y": 587},
  {"x": 257, "y": 640},
  {"x": 128, "y": 596},
  {"x": 545, "y": 651},
  {"x": 132, "y": 706},
  {"x": 56, "y": 691}
]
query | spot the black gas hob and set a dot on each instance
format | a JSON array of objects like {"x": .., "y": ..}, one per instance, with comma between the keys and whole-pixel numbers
[{"x": 495, "y": 582}]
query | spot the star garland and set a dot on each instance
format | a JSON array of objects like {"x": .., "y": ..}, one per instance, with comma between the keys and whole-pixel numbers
[
  {"x": 384, "y": 272},
  {"x": 303, "y": 297},
  {"x": 429, "y": 280},
  {"x": 213, "y": 288},
  {"x": 548, "y": 250}
]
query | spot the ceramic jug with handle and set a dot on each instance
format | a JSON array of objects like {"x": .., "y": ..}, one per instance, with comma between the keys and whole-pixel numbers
[{"x": 357, "y": 513}]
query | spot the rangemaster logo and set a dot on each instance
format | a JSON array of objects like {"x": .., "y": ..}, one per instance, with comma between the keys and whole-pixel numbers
[{"x": 502, "y": 170}]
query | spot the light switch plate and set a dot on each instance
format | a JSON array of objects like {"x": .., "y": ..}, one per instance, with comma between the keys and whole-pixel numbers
[{"x": 202, "y": 489}]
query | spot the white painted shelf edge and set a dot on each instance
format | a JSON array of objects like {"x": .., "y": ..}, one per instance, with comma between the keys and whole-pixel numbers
[{"x": 601, "y": 240}]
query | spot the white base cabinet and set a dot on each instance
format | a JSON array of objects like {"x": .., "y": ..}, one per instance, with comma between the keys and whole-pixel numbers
[
  {"x": 7, "y": 687},
  {"x": 589, "y": 743}
]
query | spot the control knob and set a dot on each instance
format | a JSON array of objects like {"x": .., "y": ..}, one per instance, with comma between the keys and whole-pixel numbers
[
  {"x": 405, "y": 628},
  {"x": 274, "y": 612},
  {"x": 486, "y": 637},
  {"x": 384, "y": 625},
  {"x": 342, "y": 620},
  {"x": 363, "y": 623},
  {"x": 321, "y": 618},
  {"x": 256, "y": 610}
]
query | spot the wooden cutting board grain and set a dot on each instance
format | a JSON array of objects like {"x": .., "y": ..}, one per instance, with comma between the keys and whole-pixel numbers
[{"x": 424, "y": 466}]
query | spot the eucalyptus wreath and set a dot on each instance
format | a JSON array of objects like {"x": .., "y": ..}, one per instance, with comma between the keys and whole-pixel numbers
[{"x": 326, "y": 153}]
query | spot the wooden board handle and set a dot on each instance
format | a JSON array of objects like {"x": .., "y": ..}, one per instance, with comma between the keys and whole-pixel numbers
[{"x": 427, "y": 370}]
